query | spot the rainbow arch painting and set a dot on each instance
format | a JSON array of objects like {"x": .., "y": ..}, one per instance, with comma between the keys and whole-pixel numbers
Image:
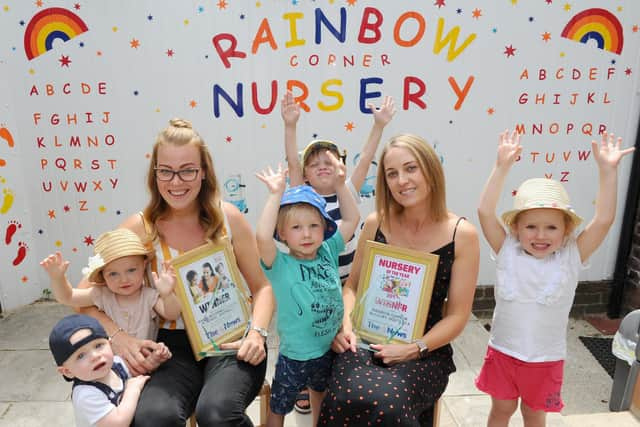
[
  {"x": 596, "y": 24},
  {"x": 48, "y": 25}
]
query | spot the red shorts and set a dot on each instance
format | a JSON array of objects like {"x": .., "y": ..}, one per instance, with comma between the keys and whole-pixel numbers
[{"x": 507, "y": 378}]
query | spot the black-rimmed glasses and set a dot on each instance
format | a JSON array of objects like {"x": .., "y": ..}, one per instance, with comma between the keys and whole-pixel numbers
[{"x": 186, "y": 175}]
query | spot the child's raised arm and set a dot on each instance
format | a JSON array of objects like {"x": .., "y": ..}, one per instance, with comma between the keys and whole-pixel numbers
[
  {"x": 509, "y": 149},
  {"x": 381, "y": 117},
  {"x": 276, "y": 183},
  {"x": 607, "y": 156},
  {"x": 63, "y": 292},
  {"x": 290, "y": 111},
  {"x": 348, "y": 208},
  {"x": 167, "y": 305}
]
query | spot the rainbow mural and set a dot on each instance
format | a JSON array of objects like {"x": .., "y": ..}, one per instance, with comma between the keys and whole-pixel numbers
[
  {"x": 596, "y": 24},
  {"x": 49, "y": 25}
]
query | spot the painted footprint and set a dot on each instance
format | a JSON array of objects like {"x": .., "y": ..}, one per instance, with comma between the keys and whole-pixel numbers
[
  {"x": 22, "y": 253},
  {"x": 6, "y": 135},
  {"x": 11, "y": 230},
  {"x": 7, "y": 200}
]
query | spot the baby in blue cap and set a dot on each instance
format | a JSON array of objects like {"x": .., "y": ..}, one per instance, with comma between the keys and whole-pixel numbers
[{"x": 305, "y": 281}]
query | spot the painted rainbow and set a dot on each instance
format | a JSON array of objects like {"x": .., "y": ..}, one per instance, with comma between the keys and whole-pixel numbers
[
  {"x": 49, "y": 25},
  {"x": 596, "y": 24}
]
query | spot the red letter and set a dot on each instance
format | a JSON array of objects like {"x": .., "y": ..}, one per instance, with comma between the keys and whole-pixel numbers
[
  {"x": 414, "y": 97},
  {"x": 230, "y": 52},
  {"x": 365, "y": 25}
]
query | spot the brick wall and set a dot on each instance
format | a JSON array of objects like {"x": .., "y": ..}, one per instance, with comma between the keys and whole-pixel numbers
[{"x": 591, "y": 298}]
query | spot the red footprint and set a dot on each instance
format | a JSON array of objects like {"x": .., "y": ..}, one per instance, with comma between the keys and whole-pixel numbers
[
  {"x": 11, "y": 230},
  {"x": 22, "y": 253}
]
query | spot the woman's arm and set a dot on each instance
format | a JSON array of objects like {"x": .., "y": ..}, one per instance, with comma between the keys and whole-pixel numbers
[
  {"x": 346, "y": 339},
  {"x": 251, "y": 349}
]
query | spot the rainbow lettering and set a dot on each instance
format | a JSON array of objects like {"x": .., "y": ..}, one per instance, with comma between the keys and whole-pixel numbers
[
  {"x": 596, "y": 24},
  {"x": 49, "y": 25}
]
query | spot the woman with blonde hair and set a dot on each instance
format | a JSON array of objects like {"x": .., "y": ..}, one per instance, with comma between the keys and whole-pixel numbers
[
  {"x": 184, "y": 212},
  {"x": 411, "y": 213}
]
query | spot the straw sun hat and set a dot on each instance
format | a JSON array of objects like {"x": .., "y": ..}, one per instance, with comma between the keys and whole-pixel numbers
[
  {"x": 541, "y": 193},
  {"x": 111, "y": 246}
]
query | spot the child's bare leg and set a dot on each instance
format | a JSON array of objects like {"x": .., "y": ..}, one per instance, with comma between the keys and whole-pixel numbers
[
  {"x": 501, "y": 412},
  {"x": 531, "y": 417},
  {"x": 315, "y": 397},
  {"x": 275, "y": 420}
]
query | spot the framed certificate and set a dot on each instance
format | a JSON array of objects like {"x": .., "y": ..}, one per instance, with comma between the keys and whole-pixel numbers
[
  {"x": 394, "y": 294},
  {"x": 214, "y": 299}
]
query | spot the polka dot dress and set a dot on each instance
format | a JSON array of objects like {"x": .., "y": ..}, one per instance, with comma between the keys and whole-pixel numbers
[{"x": 361, "y": 393}]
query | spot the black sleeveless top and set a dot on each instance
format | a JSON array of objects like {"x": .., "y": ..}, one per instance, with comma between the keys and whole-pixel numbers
[{"x": 446, "y": 255}]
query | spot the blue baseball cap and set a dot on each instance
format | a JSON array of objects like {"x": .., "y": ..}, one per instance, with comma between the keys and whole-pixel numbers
[
  {"x": 59, "y": 343},
  {"x": 306, "y": 194}
]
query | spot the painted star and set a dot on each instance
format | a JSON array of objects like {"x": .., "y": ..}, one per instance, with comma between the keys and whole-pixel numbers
[
  {"x": 149, "y": 17},
  {"x": 170, "y": 52},
  {"x": 185, "y": 22},
  {"x": 510, "y": 51},
  {"x": 546, "y": 36},
  {"x": 222, "y": 4},
  {"x": 228, "y": 139},
  {"x": 58, "y": 243},
  {"x": 549, "y": 1},
  {"x": 439, "y": 3},
  {"x": 635, "y": 28},
  {"x": 459, "y": 11},
  {"x": 76, "y": 6},
  {"x": 22, "y": 23},
  {"x": 514, "y": 2},
  {"x": 39, "y": 3},
  {"x": 114, "y": 29},
  {"x": 477, "y": 13},
  {"x": 619, "y": 9},
  {"x": 102, "y": 209},
  {"x": 193, "y": 103},
  {"x": 64, "y": 61},
  {"x": 351, "y": 2},
  {"x": 67, "y": 208},
  {"x": 490, "y": 111},
  {"x": 74, "y": 249},
  {"x": 32, "y": 71},
  {"x": 52, "y": 214},
  {"x": 627, "y": 71},
  {"x": 99, "y": 53},
  {"x": 514, "y": 192},
  {"x": 88, "y": 240},
  {"x": 567, "y": 7},
  {"x": 200, "y": 9},
  {"x": 5, "y": 8},
  {"x": 134, "y": 43},
  {"x": 531, "y": 19},
  {"x": 24, "y": 279},
  {"x": 349, "y": 126}
]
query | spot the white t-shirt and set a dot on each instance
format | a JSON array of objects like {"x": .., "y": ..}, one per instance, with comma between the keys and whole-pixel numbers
[
  {"x": 533, "y": 300},
  {"x": 90, "y": 404}
]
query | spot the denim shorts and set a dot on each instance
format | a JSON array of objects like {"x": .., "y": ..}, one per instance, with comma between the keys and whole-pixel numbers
[{"x": 294, "y": 375}]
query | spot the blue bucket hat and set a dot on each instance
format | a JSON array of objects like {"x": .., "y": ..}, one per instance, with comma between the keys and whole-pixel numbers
[{"x": 306, "y": 194}]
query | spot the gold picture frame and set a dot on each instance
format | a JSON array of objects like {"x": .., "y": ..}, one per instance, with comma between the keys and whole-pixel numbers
[
  {"x": 394, "y": 294},
  {"x": 214, "y": 299}
]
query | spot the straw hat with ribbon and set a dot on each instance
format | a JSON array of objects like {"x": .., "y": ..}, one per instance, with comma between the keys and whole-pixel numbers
[
  {"x": 111, "y": 246},
  {"x": 541, "y": 193}
]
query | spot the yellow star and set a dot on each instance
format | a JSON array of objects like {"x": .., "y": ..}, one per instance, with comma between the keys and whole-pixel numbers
[
  {"x": 186, "y": 22},
  {"x": 258, "y": 4},
  {"x": 514, "y": 2},
  {"x": 157, "y": 110},
  {"x": 58, "y": 243},
  {"x": 102, "y": 209},
  {"x": 562, "y": 54},
  {"x": 6, "y": 8},
  {"x": 32, "y": 71},
  {"x": 619, "y": 8},
  {"x": 114, "y": 29},
  {"x": 567, "y": 7}
]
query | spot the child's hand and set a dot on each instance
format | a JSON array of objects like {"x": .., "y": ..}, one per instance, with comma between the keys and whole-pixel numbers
[
  {"x": 608, "y": 154},
  {"x": 509, "y": 149},
  {"x": 137, "y": 382},
  {"x": 165, "y": 282},
  {"x": 289, "y": 109},
  {"x": 55, "y": 266},
  {"x": 340, "y": 169},
  {"x": 276, "y": 181},
  {"x": 384, "y": 114}
]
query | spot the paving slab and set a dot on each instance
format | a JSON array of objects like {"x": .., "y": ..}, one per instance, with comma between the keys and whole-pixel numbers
[{"x": 38, "y": 414}]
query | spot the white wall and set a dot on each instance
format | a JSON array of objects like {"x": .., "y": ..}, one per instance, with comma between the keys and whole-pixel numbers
[{"x": 142, "y": 87}]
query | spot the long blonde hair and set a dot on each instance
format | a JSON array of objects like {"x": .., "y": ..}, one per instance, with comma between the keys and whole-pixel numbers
[
  {"x": 431, "y": 168},
  {"x": 180, "y": 133}
]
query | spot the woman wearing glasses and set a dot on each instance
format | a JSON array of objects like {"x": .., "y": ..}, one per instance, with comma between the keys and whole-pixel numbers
[{"x": 184, "y": 212}]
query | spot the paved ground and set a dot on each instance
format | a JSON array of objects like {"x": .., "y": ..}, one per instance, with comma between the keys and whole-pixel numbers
[{"x": 33, "y": 394}]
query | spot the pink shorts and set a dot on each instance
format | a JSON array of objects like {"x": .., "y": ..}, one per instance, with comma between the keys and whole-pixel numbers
[{"x": 507, "y": 378}]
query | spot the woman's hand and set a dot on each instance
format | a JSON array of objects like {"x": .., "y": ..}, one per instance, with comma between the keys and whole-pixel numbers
[
  {"x": 344, "y": 341},
  {"x": 390, "y": 354},
  {"x": 141, "y": 355},
  {"x": 251, "y": 349}
]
